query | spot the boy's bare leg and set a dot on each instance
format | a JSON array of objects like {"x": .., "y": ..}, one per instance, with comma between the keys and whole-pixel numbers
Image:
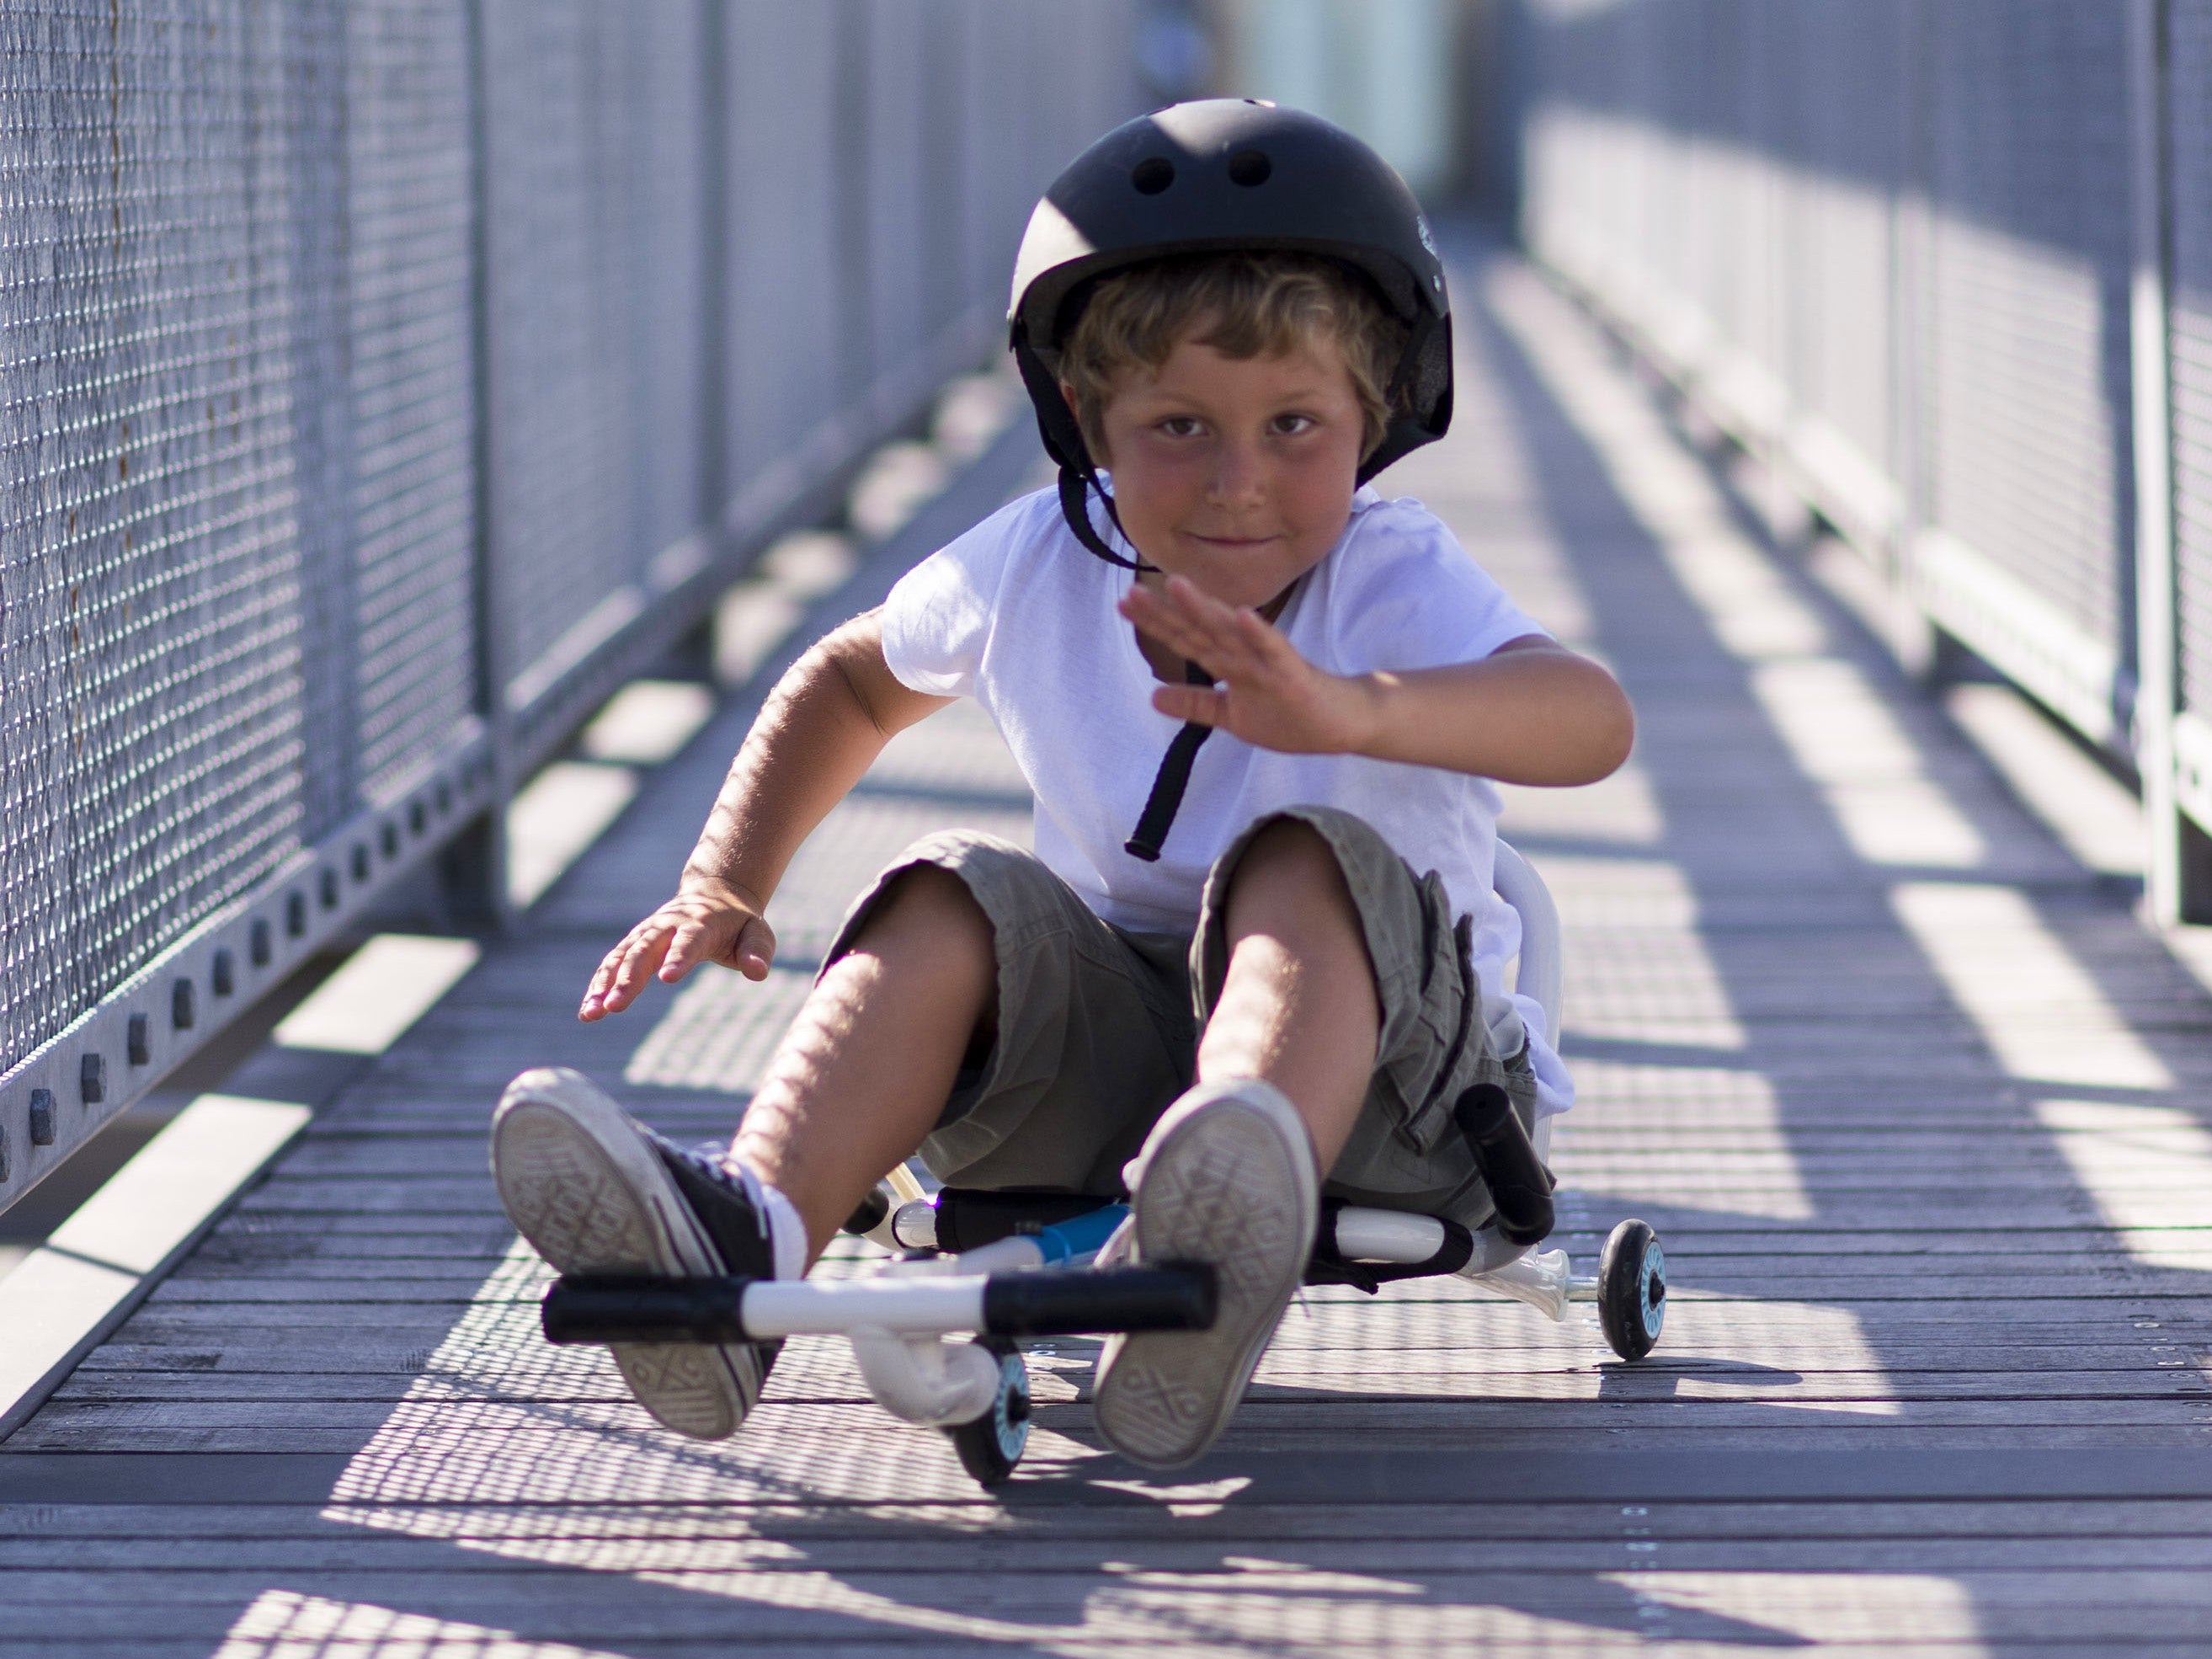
[
  {"x": 864, "y": 1070},
  {"x": 1298, "y": 1007},
  {"x": 1226, "y": 1176},
  {"x": 862, "y": 1074}
]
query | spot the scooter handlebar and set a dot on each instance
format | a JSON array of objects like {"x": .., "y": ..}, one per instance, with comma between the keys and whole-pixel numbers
[{"x": 1175, "y": 1296}]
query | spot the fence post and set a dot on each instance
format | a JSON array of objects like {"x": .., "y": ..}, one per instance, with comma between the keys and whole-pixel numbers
[
  {"x": 1920, "y": 646},
  {"x": 2178, "y": 858},
  {"x": 692, "y": 654},
  {"x": 317, "y": 184},
  {"x": 472, "y": 869}
]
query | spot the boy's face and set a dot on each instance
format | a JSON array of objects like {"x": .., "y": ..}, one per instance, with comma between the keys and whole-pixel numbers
[{"x": 1236, "y": 473}]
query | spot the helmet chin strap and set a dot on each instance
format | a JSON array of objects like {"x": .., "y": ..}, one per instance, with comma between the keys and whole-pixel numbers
[
  {"x": 1174, "y": 776},
  {"x": 1169, "y": 781},
  {"x": 1075, "y": 507}
]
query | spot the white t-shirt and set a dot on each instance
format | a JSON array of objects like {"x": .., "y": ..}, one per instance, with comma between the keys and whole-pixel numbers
[{"x": 1018, "y": 615}]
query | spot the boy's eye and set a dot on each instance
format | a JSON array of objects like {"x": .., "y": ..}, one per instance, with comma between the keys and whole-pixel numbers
[
  {"x": 1180, "y": 426},
  {"x": 1289, "y": 426}
]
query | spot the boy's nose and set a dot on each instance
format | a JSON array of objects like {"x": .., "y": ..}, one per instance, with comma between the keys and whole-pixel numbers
[{"x": 1238, "y": 476}]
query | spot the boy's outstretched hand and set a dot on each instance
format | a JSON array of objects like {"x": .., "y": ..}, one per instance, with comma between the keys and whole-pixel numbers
[
  {"x": 708, "y": 920},
  {"x": 1268, "y": 694},
  {"x": 1531, "y": 711}
]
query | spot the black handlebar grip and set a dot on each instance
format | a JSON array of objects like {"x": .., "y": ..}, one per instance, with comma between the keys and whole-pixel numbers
[
  {"x": 1179, "y": 1297},
  {"x": 1520, "y": 1186},
  {"x": 644, "y": 1310}
]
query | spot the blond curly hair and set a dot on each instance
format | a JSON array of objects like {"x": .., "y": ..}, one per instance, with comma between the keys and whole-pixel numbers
[{"x": 1243, "y": 305}]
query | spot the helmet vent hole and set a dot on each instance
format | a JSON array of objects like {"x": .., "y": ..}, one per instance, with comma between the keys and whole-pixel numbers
[
  {"x": 1153, "y": 175},
  {"x": 1249, "y": 166}
]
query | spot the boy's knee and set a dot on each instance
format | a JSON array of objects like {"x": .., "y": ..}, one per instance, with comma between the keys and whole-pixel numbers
[
  {"x": 930, "y": 906},
  {"x": 1288, "y": 858},
  {"x": 1288, "y": 854}
]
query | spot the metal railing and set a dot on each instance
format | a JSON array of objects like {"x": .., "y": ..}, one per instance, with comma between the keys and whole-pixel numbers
[
  {"x": 1948, "y": 269},
  {"x": 383, "y": 381}
]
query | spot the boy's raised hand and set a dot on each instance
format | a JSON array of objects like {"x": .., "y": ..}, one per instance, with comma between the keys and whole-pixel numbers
[
  {"x": 708, "y": 920},
  {"x": 1267, "y": 695}
]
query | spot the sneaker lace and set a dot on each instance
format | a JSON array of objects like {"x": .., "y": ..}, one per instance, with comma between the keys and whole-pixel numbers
[{"x": 726, "y": 1203}]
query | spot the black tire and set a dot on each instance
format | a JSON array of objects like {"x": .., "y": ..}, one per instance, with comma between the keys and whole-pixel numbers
[
  {"x": 990, "y": 1446},
  {"x": 1631, "y": 1289}
]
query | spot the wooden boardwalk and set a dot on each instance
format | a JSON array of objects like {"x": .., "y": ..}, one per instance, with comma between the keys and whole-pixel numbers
[{"x": 1919, "y": 1110}]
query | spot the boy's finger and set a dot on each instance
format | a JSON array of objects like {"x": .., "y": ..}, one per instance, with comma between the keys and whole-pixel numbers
[
  {"x": 1194, "y": 638},
  {"x": 1200, "y": 618},
  {"x": 755, "y": 948},
  {"x": 1183, "y": 640},
  {"x": 1154, "y": 615},
  {"x": 595, "y": 994},
  {"x": 638, "y": 962},
  {"x": 1228, "y": 627},
  {"x": 686, "y": 949},
  {"x": 603, "y": 977},
  {"x": 1192, "y": 702},
  {"x": 611, "y": 998},
  {"x": 605, "y": 994},
  {"x": 1180, "y": 602},
  {"x": 1256, "y": 633},
  {"x": 1224, "y": 655},
  {"x": 1188, "y": 596}
]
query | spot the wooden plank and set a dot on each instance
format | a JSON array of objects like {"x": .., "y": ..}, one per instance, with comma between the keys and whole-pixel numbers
[
  {"x": 1569, "y": 1406},
  {"x": 247, "y": 1364},
  {"x": 1270, "y": 1601},
  {"x": 1874, "y": 1205},
  {"x": 356, "y": 1563},
  {"x": 1599, "y": 1152},
  {"x": 80, "y": 1533},
  {"x": 25, "y": 1564},
  {"x": 306, "y": 1250},
  {"x": 1689, "y": 1280},
  {"x": 1431, "y": 1377}
]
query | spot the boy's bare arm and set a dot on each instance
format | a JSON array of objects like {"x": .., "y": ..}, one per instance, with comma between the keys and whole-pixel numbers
[
  {"x": 1532, "y": 712},
  {"x": 825, "y": 722}
]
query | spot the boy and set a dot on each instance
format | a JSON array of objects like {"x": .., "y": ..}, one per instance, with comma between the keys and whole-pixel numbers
[{"x": 1230, "y": 317}]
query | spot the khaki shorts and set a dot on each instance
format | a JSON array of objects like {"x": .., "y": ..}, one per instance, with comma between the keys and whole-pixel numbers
[{"x": 1098, "y": 1027}]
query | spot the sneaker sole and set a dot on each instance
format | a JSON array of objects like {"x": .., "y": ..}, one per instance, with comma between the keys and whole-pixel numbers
[
  {"x": 1231, "y": 1184},
  {"x": 591, "y": 1197}
]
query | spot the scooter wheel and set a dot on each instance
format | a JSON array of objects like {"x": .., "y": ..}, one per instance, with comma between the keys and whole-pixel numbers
[
  {"x": 1631, "y": 1289},
  {"x": 993, "y": 1444}
]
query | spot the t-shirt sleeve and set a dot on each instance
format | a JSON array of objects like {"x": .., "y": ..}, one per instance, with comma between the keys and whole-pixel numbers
[
  {"x": 1418, "y": 600},
  {"x": 937, "y": 620}
]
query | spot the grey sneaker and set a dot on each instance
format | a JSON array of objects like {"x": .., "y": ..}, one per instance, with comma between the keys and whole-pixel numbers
[
  {"x": 596, "y": 1192},
  {"x": 1226, "y": 1177}
]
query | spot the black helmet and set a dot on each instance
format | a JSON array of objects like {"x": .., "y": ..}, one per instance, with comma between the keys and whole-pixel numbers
[
  {"x": 1216, "y": 176},
  {"x": 1223, "y": 175}
]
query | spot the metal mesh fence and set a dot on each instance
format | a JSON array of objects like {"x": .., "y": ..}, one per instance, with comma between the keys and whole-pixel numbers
[
  {"x": 414, "y": 400},
  {"x": 2026, "y": 289},
  {"x": 160, "y": 201},
  {"x": 1890, "y": 244},
  {"x": 374, "y": 374},
  {"x": 784, "y": 179},
  {"x": 1844, "y": 85},
  {"x": 2189, "y": 152},
  {"x": 593, "y": 209}
]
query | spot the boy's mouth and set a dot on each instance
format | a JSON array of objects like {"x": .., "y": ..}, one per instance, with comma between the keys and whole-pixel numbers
[{"x": 1232, "y": 543}]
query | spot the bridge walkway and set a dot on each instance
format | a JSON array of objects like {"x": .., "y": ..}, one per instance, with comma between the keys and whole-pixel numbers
[{"x": 1918, "y": 1106}]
